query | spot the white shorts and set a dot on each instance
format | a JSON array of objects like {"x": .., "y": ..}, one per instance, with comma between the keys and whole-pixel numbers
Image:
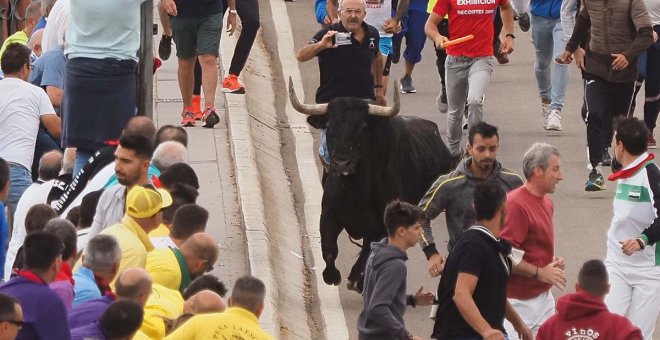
[{"x": 534, "y": 312}]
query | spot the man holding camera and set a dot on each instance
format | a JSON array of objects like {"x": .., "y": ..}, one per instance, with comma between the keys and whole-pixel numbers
[
  {"x": 349, "y": 65},
  {"x": 347, "y": 52}
]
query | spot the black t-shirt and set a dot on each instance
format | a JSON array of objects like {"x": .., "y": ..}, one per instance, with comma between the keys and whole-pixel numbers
[
  {"x": 478, "y": 253},
  {"x": 187, "y": 9},
  {"x": 346, "y": 70}
]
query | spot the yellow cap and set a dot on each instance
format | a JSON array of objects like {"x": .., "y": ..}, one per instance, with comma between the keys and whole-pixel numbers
[{"x": 143, "y": 202}]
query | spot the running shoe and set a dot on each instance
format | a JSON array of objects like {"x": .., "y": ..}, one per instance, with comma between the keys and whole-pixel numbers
[
  {"x": 553, "y": 122},
  {"x": 210, "y": 118},
  {"x": 197, "y": 107},
  {"x": 188, "y": 118},
  {"x": 651, "y": 141},
  {"x": 441, "y": 101},
  {"x": 232, "y": 85},
  {"x": 523, "y": 22},
  {"x": 165, "y": 47},
  {"x": 595, "y": 182},
  {"x": 407, "y": 85},
  {"x": 607, "y": 159}
]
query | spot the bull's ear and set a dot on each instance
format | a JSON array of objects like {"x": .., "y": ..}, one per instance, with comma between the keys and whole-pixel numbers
[{"x": 318, "y": 122}]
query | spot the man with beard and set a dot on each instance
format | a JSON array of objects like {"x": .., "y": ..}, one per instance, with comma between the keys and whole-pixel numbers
[
  {"x": 175, "y": 268},
  {"x": 452, "y": 193},
  {"x": 132, "y": 160}
]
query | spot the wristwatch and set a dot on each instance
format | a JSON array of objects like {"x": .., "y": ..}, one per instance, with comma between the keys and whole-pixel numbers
[{"x": 233, "y": 11}]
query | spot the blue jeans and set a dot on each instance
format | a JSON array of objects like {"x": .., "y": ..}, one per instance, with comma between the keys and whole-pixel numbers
[
  {"x": 549, "y": 41},
  {"x": 323, "y": 148},
  {"x": 45, "y": 143},
  {"x": 19, "y": 180},
  {"x": 82, "y": 156}
]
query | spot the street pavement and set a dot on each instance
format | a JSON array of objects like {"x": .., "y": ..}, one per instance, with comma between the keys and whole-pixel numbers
[{"x": 512, "y": 103}]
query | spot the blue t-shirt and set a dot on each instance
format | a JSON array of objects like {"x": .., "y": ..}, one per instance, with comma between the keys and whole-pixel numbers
[
  {"x": 198, "y": 8},
  {"x": 49, "y": 69},
  {"x": 85, "y": 288},
  {"x": 41, "y": 24}
]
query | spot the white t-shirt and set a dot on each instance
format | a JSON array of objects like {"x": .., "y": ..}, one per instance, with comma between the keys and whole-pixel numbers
[
  {"x": 21, "y": 107},
  {"x": 58, "y": 22},
  {"x": 377, "y": 12},
  {"x": 35, "y": 194},
  {"x": 653, "y": 6}
]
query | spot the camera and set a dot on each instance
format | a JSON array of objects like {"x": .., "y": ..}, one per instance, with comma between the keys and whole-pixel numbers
[{"x": 342, "y": 38}]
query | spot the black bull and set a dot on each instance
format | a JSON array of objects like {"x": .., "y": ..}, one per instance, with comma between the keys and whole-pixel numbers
[{"x": 377, "y": 157}]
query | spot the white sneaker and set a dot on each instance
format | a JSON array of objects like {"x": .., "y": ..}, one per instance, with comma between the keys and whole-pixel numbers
[
  {"x": 553, "y": 122},
  {"x": 545, "y": 113}
]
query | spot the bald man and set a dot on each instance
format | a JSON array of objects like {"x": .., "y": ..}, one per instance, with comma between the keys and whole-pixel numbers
[
  {"x": 133, "y": 284},
  {"x": 175, "y": 268},
  {"x": 50, "y": 165}
]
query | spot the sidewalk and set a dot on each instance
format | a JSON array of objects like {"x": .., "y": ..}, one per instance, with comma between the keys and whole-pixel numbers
[{"x": 210, "y": 156}]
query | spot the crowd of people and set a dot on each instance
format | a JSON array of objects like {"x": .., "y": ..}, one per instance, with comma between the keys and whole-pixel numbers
[
  {"x": 101, "y": 233},
  {"x": 107, "y": 239},
  {"x": 496, "y": 280}
]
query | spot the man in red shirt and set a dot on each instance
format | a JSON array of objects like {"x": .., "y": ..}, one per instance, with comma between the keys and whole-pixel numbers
[
  {"x": 530, "y": 231},
  {"x": 469, "y": 65},
  {"x": 585, "y": 313}
]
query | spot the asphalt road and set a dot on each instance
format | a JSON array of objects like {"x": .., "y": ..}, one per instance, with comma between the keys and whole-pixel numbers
[{"x": 512, "y": 104}]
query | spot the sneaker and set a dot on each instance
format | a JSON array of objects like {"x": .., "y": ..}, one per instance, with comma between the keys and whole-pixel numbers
[
  {"x": 232, "y": 85},
  {"x": 188, "y": 118},
  {"x": 523, "y": 22},
  {"x": 502, "y": 58},
  {"x": 607, "y": 159},
  {"x": 197, "y": 107},
  {"x": 441, "y": 101},
  {"x": 407, "y": 85},
  {"x": 595, "y": 182},
  {"x": 651, "y": 141},
  {"x": 210, "y": 118},
  {"x": 554, "y": 121},
  {"x": 165, "y": 47}
]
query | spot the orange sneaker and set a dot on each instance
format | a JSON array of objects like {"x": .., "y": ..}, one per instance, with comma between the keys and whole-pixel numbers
[
  {"x": 197, "y": 107},
  {"x": 187, "y": 118},
  {"x": 232, "y": 85}
]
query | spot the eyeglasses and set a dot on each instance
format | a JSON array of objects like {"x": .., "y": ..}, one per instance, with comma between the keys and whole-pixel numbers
[{"x": 17, "y": 323}]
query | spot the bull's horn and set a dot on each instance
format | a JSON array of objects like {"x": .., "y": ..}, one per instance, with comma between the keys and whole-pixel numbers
[
  {"x": 387, "y": 111},
  {"x": 308, "y": 109}
]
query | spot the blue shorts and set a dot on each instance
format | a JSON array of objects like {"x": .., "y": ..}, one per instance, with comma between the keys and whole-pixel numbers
[{"x": 385, "y": 46}]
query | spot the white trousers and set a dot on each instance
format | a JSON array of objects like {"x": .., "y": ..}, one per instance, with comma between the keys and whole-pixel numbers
[
  {"x": 533, "y": 312},
  {"x": 635, "y": 293}
]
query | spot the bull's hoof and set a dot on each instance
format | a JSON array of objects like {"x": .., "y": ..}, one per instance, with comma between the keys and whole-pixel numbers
[
  {"x": 332, "y": 276},
  {"x": 354, "y": 286}
]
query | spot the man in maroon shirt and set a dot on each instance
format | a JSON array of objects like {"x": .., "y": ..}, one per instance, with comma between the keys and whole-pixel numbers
[{"x": 530, "y": 231}]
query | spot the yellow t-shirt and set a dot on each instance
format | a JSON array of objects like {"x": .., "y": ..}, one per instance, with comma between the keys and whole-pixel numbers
[
  {"x": 163, "y": 303},
  {"x": 164, "y": 268},
  {"x": 234, "y": 323},
  {"x": 134, "y": 244},
  {"x": 161, "y": 231},
  {"x": 19, "y": 37}
]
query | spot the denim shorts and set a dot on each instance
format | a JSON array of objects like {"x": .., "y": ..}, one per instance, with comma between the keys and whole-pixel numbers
[{"x": 385, "y": 46}]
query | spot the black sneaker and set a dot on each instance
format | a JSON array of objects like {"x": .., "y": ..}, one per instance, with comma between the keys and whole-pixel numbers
[
  {"x": 607, "y": 159},
  {"x": 523, "y": 22},
  {"x": 595, "y": 182},
  {"x": 210, "y": 118},
  {"x": 165, "y": 47}
]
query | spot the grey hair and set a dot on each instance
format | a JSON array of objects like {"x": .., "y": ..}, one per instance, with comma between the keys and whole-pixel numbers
[
  {"x": 50, "y": 166},
  {"x": 538, "y": 156},
  {"x": 169, "y": 153},
  {"x": 341, "y": 3},
  {"x": 102, "y": 253}
]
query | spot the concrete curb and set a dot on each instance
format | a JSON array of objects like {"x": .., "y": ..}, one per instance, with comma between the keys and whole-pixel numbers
[
  {"x": 249, "y": 191},
  {"x": 328, "y": 296}
]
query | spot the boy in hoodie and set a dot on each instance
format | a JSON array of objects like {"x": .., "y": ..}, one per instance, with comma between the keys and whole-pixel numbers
[
  {"x": 585, "y": 313},
  {"x": 384, "y": 292}
]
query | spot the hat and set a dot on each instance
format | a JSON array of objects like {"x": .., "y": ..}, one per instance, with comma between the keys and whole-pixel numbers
[{"x": 143, "y": 202}]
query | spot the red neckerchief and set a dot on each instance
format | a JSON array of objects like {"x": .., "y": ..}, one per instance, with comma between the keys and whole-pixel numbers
[
  {"x": 30, "y": 275},
  {"x": 104, "y": 287},
  {"x": 65, "y": 274},
  {"x": 625, "y": 173}
]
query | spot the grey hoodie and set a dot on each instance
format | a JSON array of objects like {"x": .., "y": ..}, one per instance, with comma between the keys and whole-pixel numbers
[
  {"x": 384, "y": 294},
  {"x": 453, "y": 194}
]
